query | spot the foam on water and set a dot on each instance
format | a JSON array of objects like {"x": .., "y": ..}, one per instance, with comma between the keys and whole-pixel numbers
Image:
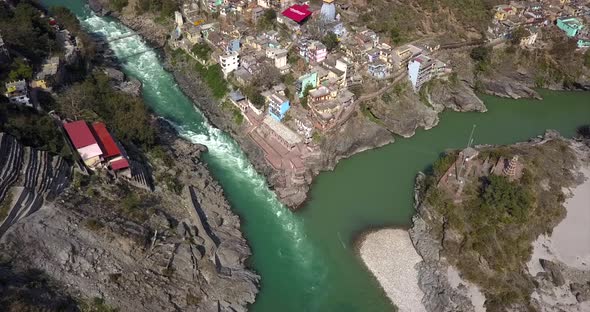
[{"x": 165, "y": 96}]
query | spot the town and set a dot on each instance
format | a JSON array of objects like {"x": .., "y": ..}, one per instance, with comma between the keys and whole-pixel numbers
[{"x": 297, "y": 70}]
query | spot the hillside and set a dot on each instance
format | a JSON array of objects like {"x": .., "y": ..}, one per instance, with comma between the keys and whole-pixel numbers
[{"x": 483, "y": 215}]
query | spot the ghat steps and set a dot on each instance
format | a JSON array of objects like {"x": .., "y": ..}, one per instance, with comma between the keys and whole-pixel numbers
[{"x": 28, "y": 176}]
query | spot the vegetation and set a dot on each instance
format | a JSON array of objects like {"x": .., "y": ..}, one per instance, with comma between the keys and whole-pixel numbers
[
  {"x": 202, "y": 51},
  {"x": 267, "y": 20},
  {"x": 518, "y": 34},
  {"x": 254, "y": 96},
  {"x": 305, "y": 97},
  {"x": 19, "y": 69},
  {"x": 587, "y": 58},
  {"x": 171, "y": 181},
  {"x": 35, "y": 38},
  {"x": 497, "y": 220},
  {"x": 330, "y": 40},
  {"x": 164, "y": 8},
  {"x": 32, "y": 128},
  {"x": 95, "y": 100},
  {"x": 482, "y": 56},
  {"x": 213, "y": 77},
  {"x": 237, "y": 116},
  {"x": 118, "y": 5},
  {"x": 369, "y": 114}
]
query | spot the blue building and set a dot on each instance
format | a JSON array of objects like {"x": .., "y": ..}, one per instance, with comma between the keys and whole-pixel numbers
[{"x": 278, "y": 105}]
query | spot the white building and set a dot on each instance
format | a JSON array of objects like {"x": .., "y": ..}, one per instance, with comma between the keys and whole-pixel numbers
[
  {"x": 530, "y": 39},
  {"x": 229, "y": 62},
  {"x": 17, "y": 92},
  {"x": 280, "y": 58},
  {"x": 423, "y": 68}
]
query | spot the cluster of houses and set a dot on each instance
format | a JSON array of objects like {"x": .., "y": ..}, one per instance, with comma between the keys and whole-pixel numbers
[
  {"x": 571, "y": 16},
  {"x": 321, "y": 78}
]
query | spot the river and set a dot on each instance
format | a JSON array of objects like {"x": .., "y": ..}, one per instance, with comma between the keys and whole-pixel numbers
[{"x": 307, "y": 259}]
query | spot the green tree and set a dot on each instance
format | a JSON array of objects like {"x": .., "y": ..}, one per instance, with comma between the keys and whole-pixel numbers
[
  {"x": 587, "y": 58},
  {"x": 118, "y": 5},
  {"x": 268, "y": 19},
  {"x": 330, "y": 40},
  {"x": 305, "y": 97},
  {"x": 20, "y": 70},
  {"x": 202, "y": 51}
]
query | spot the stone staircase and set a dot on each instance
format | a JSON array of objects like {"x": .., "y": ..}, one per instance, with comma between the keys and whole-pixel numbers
[{"x": 31, "y": 176}]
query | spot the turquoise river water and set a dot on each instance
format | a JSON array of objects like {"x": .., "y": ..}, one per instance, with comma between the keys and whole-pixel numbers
[{"x": 307, "y": 260}]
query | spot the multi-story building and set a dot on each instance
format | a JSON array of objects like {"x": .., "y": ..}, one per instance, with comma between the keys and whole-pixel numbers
[
  {"x": 313, "y": 51},
  {"x": 309, "y": 79},
  {"x": 280, "y": 58},
  {"x": 423, "y": 68},
  {"x": 278, "y": 105},
  {"x": 402, "y": 55},
  {"x": 17, "y": 92},
  {"x": 229, "y": 62}
]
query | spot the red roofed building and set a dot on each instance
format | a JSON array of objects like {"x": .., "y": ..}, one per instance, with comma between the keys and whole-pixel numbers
[
  {"x": 84, "y": 142},
  {"x": 112, "y": 154},
  {"x": 106, "y": 141},
  {"x": 297, "y": 12}
]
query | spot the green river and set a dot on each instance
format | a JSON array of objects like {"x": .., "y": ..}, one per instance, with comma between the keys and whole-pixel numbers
[{"x": 307, "y": 260}]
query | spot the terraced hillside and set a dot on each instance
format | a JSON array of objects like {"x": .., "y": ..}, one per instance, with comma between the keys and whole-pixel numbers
[{"x": 27, "y": 177}]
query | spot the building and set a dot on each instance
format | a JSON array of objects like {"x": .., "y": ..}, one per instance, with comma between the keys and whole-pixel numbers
[
  {"x": 278, "y": 105},
  {"x": 309, "y": 79},
  {"x": 257, "y": 13},
  {"x": 503, "y": 11},
  {"x": 423, "y": 68},
  {"x": 313, "y": 51},
  {"x": 17, "y": 92},
  {"x": 328, "y": 11},
  {"x": 84, "y": 142},
  {"x": 287, "y": 137},
  {"x": 297, "y": 13},
  {"x": 49, "y": 76},
  {"x": 571, "y": 26},
  {"x": 402, "y": 55},
  {"x": 112, "y": 156},
  {"x": 530, "y": 39},
  {"x": 280, "y": 58},
  {"x": 239, "y": 100},
  {"x": 229, "y": 62},
  {"x": 378, "y": 70},
  {"x": 328, "y": 105}
]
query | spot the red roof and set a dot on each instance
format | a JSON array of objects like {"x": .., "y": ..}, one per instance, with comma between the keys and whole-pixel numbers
[
  {"x": 297, "y": 12},
  {"x": 79, "y": 133},
  {"x": 105, "y": 140},
  {"x": 120, "y": 164}
]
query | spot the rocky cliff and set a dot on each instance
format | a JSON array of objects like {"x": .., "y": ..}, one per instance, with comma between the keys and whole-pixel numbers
[
  {"x": 556, "y": 285},
  {"x": 177, "y": 248}
]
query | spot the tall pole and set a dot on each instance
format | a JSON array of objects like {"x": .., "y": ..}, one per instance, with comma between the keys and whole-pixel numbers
[
  {"x": 471, "y": 136},
  {"x": 469, "y": 142}
]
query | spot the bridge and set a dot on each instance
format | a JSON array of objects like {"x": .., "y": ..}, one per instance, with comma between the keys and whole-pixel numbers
[{"x": 122, "y": 37}]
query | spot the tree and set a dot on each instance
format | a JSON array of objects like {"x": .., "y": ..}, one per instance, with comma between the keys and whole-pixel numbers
[
  {"x": 202, "y": 51},
  {"x": 587, "y": 58},
  {"x": 330, "y": 40},
  {"x": 20, "y": 70},
  {"x": 395, "y": 35},
  {"x": 480, "y": 54},
  {"x": 308, "y": 87},
  {"x": 267, "y": 21},
  {"x": 518, "y": 34},
  {"x": 267, "y": 77},
  {"x": 254, "y": 96}
]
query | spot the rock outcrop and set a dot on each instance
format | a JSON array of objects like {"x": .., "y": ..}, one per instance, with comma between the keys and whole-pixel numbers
[{"x": 177, "y": 248}]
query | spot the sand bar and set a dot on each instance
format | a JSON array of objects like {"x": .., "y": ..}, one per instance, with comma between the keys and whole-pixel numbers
[{"x": 391, "y": 257}]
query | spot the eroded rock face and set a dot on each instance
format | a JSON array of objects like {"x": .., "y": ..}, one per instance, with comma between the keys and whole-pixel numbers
[{"x": 156, "y": 255}]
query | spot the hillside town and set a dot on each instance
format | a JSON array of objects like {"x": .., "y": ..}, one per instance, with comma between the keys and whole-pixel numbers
[{"x": 297, "y": 70}]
